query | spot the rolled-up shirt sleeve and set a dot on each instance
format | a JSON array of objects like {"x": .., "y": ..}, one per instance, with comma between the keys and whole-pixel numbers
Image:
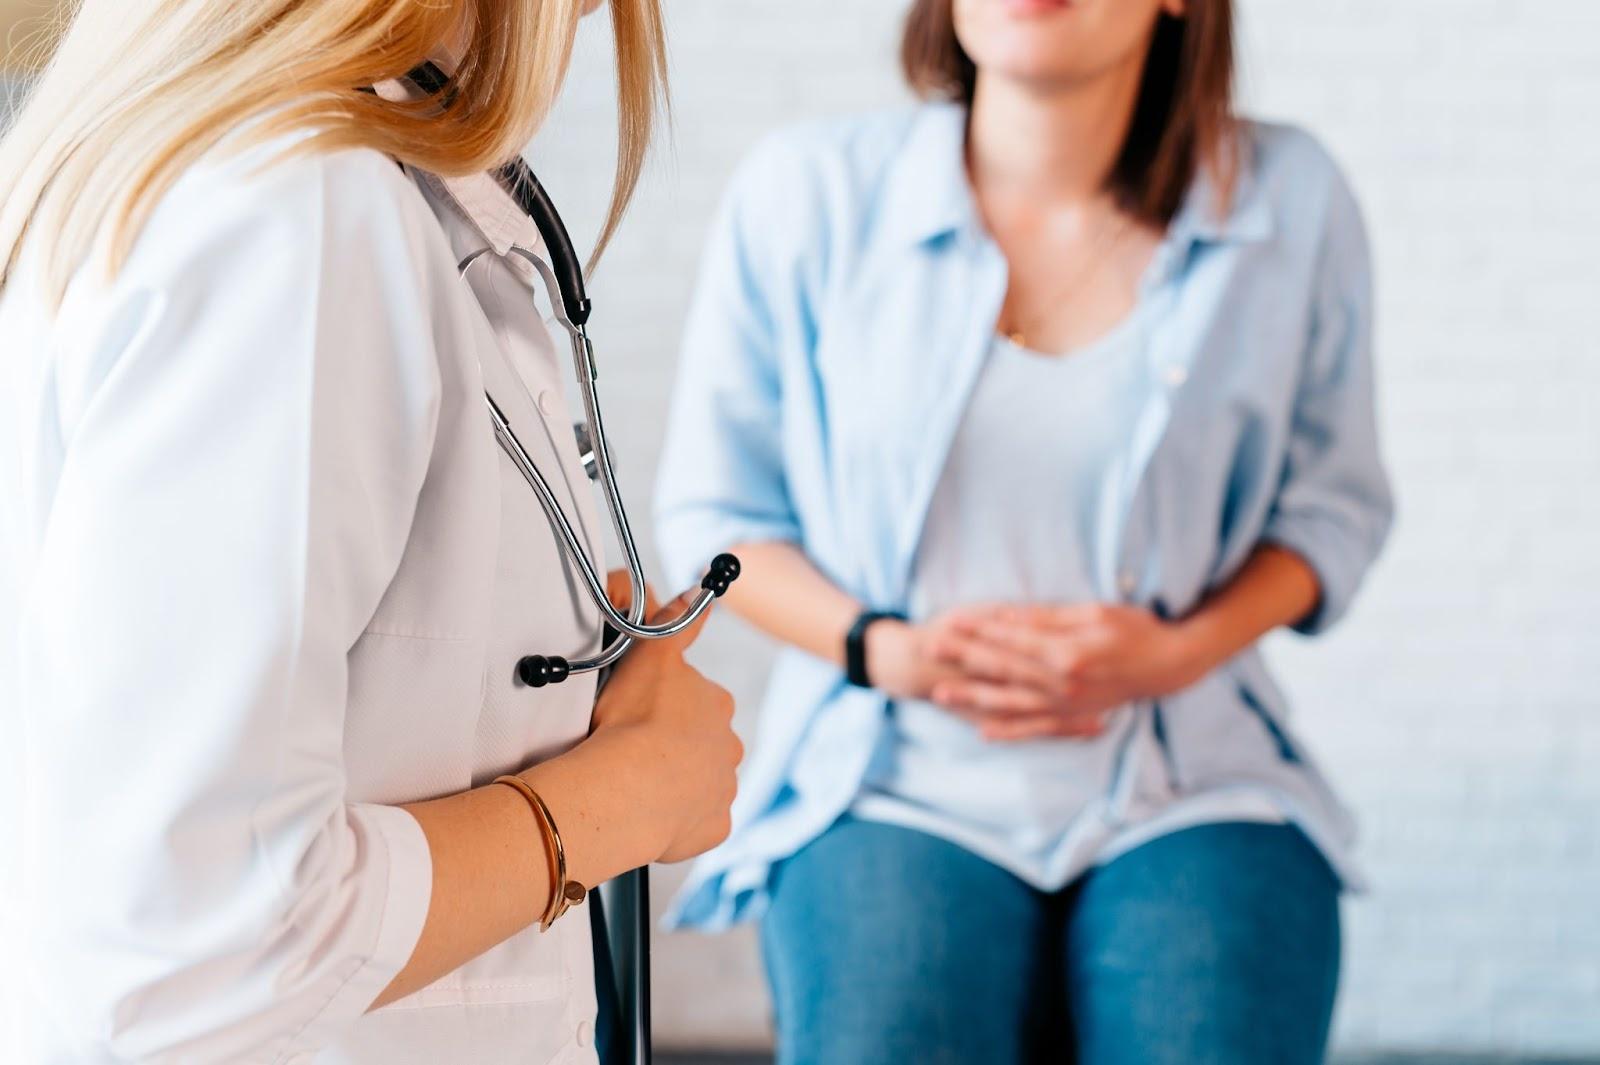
[
  {"x": 247, "y": 417},
  {"x": 721, "y": 480},
  {"x": 1334, "y": 506}
]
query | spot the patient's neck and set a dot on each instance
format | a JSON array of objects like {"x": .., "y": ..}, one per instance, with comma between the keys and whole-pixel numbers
[{"x": 1049, "y": 142}]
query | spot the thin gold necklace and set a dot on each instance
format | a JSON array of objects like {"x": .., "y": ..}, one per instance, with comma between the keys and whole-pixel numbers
[{"x": 1017, "y": 331}]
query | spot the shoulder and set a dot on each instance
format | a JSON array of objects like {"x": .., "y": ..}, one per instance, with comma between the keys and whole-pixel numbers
[
  {"x": 855, "y": 149},
  {"x": 319, "y": 260},
  {"x": 284, "y": 205},
  {"x": 810, "y": 198},
  {"x": 1291, "y": 175},
  {"x": 837, "y": 167}
]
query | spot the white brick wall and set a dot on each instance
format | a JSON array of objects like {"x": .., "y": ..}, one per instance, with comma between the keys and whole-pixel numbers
[
  {"x": 1468, "y": 127},
  {"x": 1460, "y": 706}
]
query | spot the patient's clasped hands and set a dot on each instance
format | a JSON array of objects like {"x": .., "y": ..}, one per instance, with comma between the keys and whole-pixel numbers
[{"x": 1021, "y": 672}]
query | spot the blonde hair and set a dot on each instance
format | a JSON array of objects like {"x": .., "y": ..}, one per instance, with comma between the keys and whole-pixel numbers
[{"x": 138, "y": 90}]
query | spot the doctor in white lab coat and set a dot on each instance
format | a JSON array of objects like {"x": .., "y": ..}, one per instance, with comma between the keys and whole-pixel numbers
[{"x": 265, "y": 576}]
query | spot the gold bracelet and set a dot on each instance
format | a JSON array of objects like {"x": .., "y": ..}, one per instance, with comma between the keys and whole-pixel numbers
[{"x": 564, "y": 893}]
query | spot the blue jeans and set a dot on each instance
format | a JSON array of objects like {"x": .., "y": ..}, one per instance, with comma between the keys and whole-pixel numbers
[{"x": 1216, "y": 945}]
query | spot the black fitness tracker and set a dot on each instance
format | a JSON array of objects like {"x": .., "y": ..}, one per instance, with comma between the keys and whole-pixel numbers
[{"x": 855, "y": 645}]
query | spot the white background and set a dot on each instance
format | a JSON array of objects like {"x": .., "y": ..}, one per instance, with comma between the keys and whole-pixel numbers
[{"x": 1459, "y": 706}]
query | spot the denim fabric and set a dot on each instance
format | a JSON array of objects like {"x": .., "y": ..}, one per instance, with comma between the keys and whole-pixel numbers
[{"x": 1215, "y": 945}]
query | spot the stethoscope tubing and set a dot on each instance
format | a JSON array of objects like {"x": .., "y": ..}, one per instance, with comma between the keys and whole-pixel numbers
[
  {"x": 632, "y": 939},
  {"x": 570, "y": 306},
  {"x": 629, "y": 626},
  {"x": 625, "y": 625}
]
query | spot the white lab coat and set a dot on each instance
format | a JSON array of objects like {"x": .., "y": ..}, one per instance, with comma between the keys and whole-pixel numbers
[{"x": 264, "y": 574}]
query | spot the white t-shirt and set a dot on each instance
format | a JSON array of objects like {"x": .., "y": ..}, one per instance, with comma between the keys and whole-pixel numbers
[{"x": 1017, "y": 516}]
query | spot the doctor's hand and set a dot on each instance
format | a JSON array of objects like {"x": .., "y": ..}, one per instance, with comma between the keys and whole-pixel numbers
[
  {"x": 677, "y": 729},
  {"x": 1043, "y": 671}
]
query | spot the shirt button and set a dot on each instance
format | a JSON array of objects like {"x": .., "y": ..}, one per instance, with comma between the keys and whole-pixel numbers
[
  {"x": 585, "y": 1033},
  {"x": 547, "y": 401},
  {"x": 1175, "y": 376},
  {"x": 1126, "y": 584}
]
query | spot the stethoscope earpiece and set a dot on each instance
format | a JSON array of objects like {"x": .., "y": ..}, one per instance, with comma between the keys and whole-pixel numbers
[
  {"x": 538, "y": 670},
  {"x": 723, "y": 571}
]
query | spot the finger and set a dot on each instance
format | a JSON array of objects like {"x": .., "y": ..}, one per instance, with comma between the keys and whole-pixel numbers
[
  {"x": 986, "y": 660},
  {"x": 1005, "y": 726},
  {"x": 1054, "y": 617},
  {"x": 676, "y": 609},
  {"x": 1086, "y": 720},
  {"x": 1056, "y": 654},
  {"x": 1073, "y": 656},
  {"x": 1043, "y": 726},
  {"x": 982, "y": 697},
  {"x": 619, "y": 589},
  {"x": 965, "y": 617},
  {"x": 1070, "y": 719}
]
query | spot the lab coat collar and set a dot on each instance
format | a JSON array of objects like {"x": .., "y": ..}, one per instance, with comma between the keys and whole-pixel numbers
[
  {"x": 930, "y": 194},
  {"x": 497, "y": 217},
  {"x": 479, "y": 198}
]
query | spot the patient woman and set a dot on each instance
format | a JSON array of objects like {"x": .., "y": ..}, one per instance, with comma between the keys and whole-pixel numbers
[{"x": 1068, "y": 367}]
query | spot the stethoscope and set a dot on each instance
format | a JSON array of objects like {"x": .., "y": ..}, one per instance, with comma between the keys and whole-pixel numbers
[
  {"x": 570, "y": 306},
  {"x": 629, "y": 895}
]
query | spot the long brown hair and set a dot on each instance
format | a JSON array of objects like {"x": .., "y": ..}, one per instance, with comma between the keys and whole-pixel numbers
[{"x": 1183, "y": 120}]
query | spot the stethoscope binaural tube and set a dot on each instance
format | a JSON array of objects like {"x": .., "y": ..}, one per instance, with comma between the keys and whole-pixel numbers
[
  {"x": 570, "y": 306},
  {"x": 539, "y": 670}
]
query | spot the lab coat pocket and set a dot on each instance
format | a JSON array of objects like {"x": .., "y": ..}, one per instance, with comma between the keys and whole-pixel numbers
[
  {"x": 531, "y": 966},
  {"x": 536, "y": 988},
  {"x": 541, "y": 970}
]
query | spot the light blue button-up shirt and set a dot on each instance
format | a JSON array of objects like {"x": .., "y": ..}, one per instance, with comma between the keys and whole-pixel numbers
[{"x": 847, "y": 302}]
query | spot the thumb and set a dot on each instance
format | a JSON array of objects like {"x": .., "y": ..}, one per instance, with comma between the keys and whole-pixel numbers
[
  {"x": 619, "y": 589},
  {"x": 676, "y": 609}
]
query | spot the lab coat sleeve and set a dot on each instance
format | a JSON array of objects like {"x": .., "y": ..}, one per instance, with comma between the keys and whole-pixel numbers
[
  {"x": 721, "y": 480},
  {"x": 247, "y": 428},
  {"x": 1334, "y": 506}
]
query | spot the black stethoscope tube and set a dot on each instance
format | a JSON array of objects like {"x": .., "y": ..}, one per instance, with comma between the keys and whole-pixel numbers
[{"x": 518, "y": 179}]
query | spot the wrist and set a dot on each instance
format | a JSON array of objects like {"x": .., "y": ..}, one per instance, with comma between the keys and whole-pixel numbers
[
  {"x": 885, "y": 646},
  {"x": 606, "y": 828},
  {"x": 1197, "y": 646},
  {"x": 866, "y": 635}
]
